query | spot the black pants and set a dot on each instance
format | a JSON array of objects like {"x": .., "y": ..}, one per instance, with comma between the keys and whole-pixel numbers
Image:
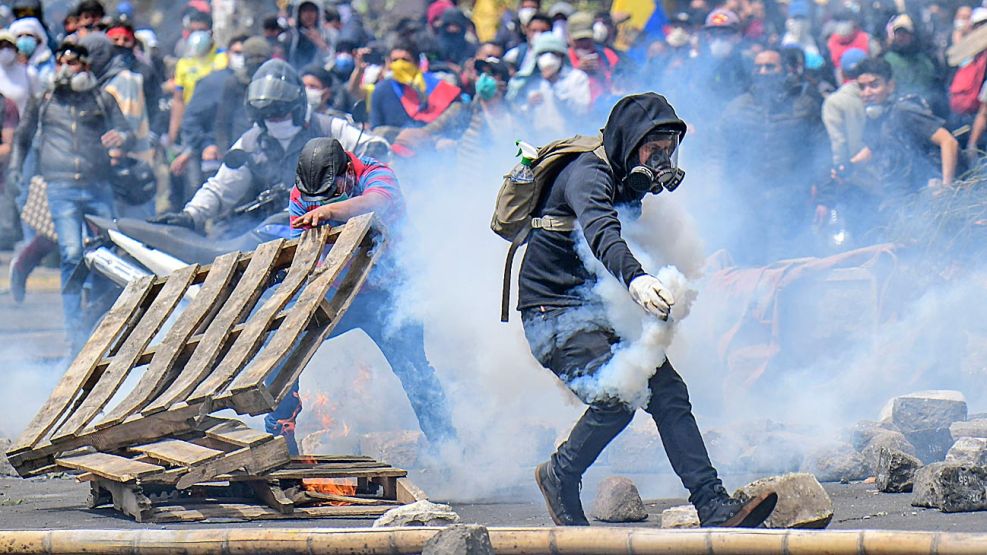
[{"x": 575, "y": 342}]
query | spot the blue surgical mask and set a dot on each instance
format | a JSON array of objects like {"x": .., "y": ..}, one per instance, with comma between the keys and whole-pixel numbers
[
  {"x": 486, "y": 86},
  {"x": 27, "y": 45}
]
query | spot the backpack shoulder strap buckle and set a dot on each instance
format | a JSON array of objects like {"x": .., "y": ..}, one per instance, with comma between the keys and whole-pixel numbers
[{"x": 553, "y": 223}]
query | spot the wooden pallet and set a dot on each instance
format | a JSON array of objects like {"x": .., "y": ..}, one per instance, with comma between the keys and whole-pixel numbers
[
  {"x": 242, "y": 495},
  {"x": 234, "y": 334}
]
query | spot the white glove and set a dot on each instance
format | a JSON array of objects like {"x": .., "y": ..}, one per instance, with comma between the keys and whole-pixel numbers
[{"x": 651, "y": 294}]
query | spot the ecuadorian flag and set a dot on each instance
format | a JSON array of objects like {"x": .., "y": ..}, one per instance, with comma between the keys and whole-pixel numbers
[{"x": 644, "y": 17}]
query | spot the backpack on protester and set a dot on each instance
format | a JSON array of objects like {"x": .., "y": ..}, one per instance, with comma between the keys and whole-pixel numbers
[
  {"x": 964, "y": 90},
  {"x": 514, "y": 214}
]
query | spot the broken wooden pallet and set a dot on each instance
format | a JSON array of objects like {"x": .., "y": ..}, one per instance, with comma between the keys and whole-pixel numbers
[
  {"x": 238, "y": 341},
  {"x": 295, "y": 491}
]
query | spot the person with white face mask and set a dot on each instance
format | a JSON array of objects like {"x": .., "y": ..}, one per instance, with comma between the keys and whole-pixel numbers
[
  {"x": 79, "y": 128},
  {"x": 18, "y": 81},
  {"x": 282, "y": 123},
  {"x": 553, "y": 93}
]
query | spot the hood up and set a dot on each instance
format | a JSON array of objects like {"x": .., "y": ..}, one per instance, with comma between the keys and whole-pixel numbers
[{"x": 631, "y": 119}]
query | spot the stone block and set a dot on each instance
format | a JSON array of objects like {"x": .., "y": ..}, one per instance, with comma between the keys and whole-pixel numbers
[
  {"x": 617, "y": 500},
  {"x": 461, "y": 539},
  {"x": 927, "y": 410},
  {"x": 837, "y": 463},
  {"x": 896, "y": 471},
  {"x": 950, "y": 487},
  {"x": 970, "y": 428},
  {"x": 969, "y": 450},
  {"x": 886, "y": 440},
  {"x": 683, "y": 516},
  {"x": 802, "y": 501},
  {"x": 421, "y": 513}
]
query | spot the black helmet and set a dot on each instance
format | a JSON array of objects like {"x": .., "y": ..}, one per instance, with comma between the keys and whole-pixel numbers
[
  {"x": 322, "y": 160},
  {"x": 276, "y": 90}
]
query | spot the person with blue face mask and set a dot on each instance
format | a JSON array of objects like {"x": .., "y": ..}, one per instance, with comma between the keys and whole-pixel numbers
[
  {"x": 492, "y": 126},
  {"x": 32, "y": 45}
]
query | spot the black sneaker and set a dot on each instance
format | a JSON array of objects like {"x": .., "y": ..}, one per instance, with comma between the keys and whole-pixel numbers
[
  {"x": 727, "y": 512},
  {"x": 562, "y": 499}
]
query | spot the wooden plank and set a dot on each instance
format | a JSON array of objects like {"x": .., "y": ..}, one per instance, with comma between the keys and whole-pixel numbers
[
  {"x": 254, "y": 460},
  {"x": 111, "y": 467},
  {"x": 142, "y": 334},
  {"x": 225, "y": 511},
  {"x": 306, "y": 497},
  {"x": 117, "y": 320},
  {"x": 408, "y": 492},
  {"x": 273, "y": 496},
  {"x": 248, "y": 388},
  {"x": 245, "y": 437},
  {"x": 161, "y": 366},
  {"x": 250, "y": 339},
  {"x": 179, "y": 453},
  {"x": 312, "y": 339},
  {"x": 290, "y": 474},
  {"x": 318, "y": 459},
  {"x": 241, "y": 301}
]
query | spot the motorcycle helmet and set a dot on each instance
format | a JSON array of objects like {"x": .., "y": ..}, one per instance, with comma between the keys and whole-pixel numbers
[
  {"x": 274, "y": 91},
  {"x": 321, "y": 173}
]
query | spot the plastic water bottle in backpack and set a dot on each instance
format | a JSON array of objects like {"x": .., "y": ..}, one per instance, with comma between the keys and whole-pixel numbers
[{"x": 522, "y": 174}]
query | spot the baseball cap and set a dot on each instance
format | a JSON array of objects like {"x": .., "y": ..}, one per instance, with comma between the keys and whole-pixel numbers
[
  {"x": 722, "y": 18},
  {"x": 581, "y": 26}
]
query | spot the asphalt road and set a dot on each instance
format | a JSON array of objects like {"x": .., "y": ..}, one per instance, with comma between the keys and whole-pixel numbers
[{"x": 59, "y": 504}]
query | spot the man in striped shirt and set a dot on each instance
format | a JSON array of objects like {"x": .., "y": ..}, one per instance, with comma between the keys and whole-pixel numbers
[{"x": 332, "y": 186}]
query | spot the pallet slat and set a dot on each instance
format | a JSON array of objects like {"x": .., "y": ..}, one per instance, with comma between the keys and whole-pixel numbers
[
  {"x": 123, "y": 362},
  {"x": 178, "y": 452},
  {"x": 111, "y": 467}
]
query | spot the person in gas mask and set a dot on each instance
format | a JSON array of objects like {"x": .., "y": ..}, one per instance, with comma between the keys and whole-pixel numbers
[
  {"x": 74, "y": 160},
  {"x": 772, "y": 149},
  {"x": 282, "y": 124},
  {"x": 566, "y": 324},
  {"x": 201, "y": 57}
]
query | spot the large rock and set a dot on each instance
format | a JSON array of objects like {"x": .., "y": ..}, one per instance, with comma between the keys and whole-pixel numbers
[
  {"x": 970, "y": 428},
  {"x": 969, "y": 450},
  {"x": 838, "y": 463},
  {"x": 421, "y": 513},
  {"x": 861, "y": 433},
  {"x": 683, "y": 516},
  {"x": 927, "y": 410},
  {"x": 461, "y": 539},
  {"x": 950, "y": 487},
  {"x": 617, "y": 500},
  {"x": 931, "y": 445},
  {"x": 896, "y": 471},
  {"x": 802, "y": 501},
  {"x": 886, "y": 440}
]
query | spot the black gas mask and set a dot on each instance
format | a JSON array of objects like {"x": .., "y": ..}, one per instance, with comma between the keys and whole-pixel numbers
[{"x": 659, "y": 170}]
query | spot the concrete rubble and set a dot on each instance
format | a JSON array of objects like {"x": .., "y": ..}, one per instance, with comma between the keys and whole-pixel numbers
[
  {"x": 421, "y": 513},
  {"x": 888, "y": 439},
  {"x": 618, "y": 500},
  {"x": 838, "y": 463},
  {"x": 802, "y": 501},
  {"x": 950, "y": 487},
  {"x": 461, "y": 539},
  {"x": 896, "y": 471},
  {"x": 5, "y": 468},
  {"x": 924, "y": 418},
  {"x": 970, "y": 428},
  {"x": 683, "y": 516},
  {"x": 969, "y": 450}
]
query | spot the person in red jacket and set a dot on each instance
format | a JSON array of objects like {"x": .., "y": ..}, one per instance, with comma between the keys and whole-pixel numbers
[{"x": 846, "y": 35}]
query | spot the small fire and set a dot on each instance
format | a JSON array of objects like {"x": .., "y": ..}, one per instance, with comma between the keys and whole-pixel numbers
[{"x": 331, "y": 487}]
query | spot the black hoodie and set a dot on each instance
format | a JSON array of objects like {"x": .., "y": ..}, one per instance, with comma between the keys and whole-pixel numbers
[{"x": 589, "y": 190}]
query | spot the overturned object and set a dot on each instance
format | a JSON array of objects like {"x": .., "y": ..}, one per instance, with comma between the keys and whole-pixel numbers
[
  {"x": 950, "y": 487},
  {"x": 617, "y": 500},
  {"x": 222, "y": 349},
  {"x": 802, "y": 501},
  {"x": 422, "y": 513},
  {"x": 896, "y": 471}
]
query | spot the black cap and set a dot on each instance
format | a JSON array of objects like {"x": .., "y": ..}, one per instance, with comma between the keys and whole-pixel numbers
[{"x": 320, "y": 162}]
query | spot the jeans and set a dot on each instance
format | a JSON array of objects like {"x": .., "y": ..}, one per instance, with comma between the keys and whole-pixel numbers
[
  {"x": 69, "y": 203},
  {"x": 574, "y": 342},
  {"x": 404, "y": 349}
]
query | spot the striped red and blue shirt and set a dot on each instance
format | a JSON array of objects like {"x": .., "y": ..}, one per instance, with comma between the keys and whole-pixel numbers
[{"x": 372, "y": 178}]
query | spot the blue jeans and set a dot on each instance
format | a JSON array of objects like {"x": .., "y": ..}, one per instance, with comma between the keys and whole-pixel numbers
[
  {"x": 69, "y": 203},
  {"x": 404, "y": 349}
]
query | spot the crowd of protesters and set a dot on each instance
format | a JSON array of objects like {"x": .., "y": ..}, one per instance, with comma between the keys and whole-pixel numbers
[{"x": 813, "y": 116}]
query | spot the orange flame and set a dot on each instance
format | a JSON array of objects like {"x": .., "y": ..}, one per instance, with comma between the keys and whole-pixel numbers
[{"x": 331, "y": 487}]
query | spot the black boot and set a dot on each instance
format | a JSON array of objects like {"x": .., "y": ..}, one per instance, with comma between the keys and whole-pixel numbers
[
  {"x": 726, "y": 512},
  {"x": 562, "y": 498}
]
